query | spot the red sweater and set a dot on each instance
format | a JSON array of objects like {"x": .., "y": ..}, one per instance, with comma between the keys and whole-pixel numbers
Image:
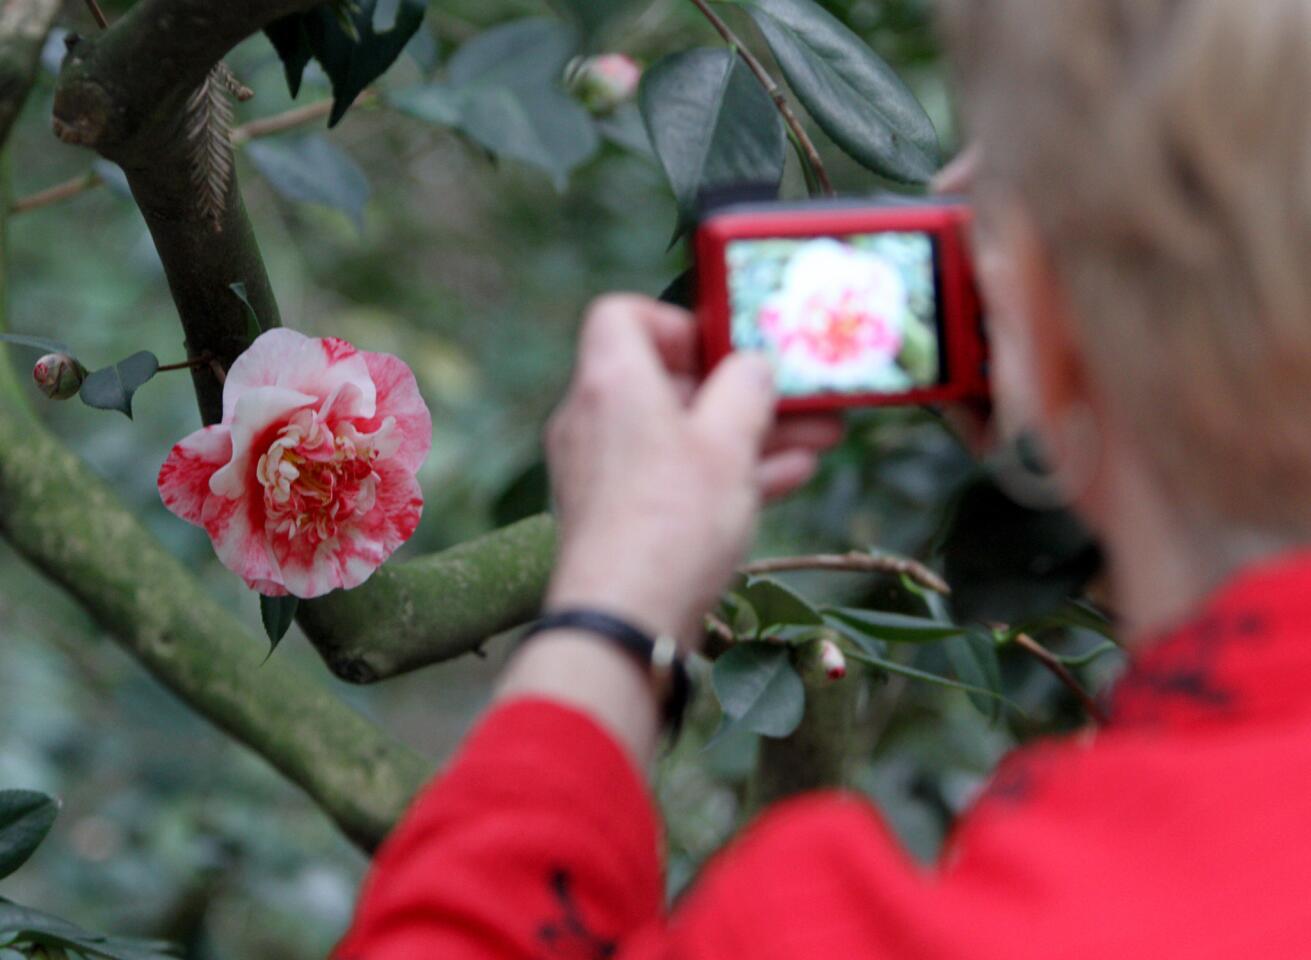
[{"x": 1181, "y": 829}]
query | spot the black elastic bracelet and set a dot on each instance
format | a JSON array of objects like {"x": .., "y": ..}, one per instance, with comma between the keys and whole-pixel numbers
[{"x": 658, "y": 656}]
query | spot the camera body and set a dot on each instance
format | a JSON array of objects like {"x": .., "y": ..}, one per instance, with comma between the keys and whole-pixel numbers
[{"x": 857, "y": 304}]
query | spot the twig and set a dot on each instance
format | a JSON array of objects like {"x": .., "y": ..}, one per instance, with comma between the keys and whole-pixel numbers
[
  {"x": 99, "y": 14},
  {"x": 853, "y": 562},
  {"x": 1058, "y": 669},
  {"x": 799, "y": 135},
  {"x": 255, "y": 129},
  {"x": 186, "y": 364}
]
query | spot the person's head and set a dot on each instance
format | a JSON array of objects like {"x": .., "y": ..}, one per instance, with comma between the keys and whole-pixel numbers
[{"x": 1145, "y": 175}]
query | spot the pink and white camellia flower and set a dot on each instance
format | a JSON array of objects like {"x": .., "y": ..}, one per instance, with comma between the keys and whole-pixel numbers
[
  {"x": 308, "y": 483},
  {"x": 838, "y": 320}
]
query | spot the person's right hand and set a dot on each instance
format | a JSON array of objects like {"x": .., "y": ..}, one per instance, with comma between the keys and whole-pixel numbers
[{"x": 658, "y": 480}]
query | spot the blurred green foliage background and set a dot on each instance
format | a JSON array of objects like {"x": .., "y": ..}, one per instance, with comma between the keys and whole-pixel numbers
[{"x": 476, "y": 273}]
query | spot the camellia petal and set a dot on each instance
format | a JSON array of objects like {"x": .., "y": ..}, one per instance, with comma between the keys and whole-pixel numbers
[
  {"x": 398, "y": 396},
  {"x": 285, "y": 358},
  {"x": 184, "y": 477},
  {"x": 257, "y": 411}
]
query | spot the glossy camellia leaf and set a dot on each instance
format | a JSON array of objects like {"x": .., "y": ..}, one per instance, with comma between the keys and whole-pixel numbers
[
  {"x": 112, "y": 388},
  {"x": 855, "y": 97},
  {"x": 352, "y": 46},
  {"x": 32, "y": 927},
  {"x": 25, "y": 818},
  {"x": 711, "y": 124},
  {"x": 503, "y": 91},
  {"x": 313, "y": 170},
  {"x": 759, "y": 690},
  {"x": 277, "y": 615}
]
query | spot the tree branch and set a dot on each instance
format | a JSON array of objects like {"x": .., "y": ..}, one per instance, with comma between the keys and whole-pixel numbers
[
  {"x": 797, "y": 132},
  {"x": 409, "y": 615},
  {"x": 24, "y": 25},
  {"x": 853, "y": 562}
]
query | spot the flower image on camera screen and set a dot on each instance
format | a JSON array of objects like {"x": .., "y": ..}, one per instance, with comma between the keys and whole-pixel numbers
[{"x": 839, "y": 315}]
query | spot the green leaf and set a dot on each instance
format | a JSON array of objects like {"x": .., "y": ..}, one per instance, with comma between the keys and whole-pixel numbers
[
  {"x": 253, "y": 327},
  {"x": 710, "y": 124},
  {"x": 345, "y": 40},
  {"x": 593, "y": 16},
  {"x": 889, "y": 627},
  {"x": 1082, "y": 660},
  {"x": 974, "y": 659},
  {"x": 890, "y": 666},
  {"x": 112, "y": 388},
  {"x": 775, "y": 604},
  {"x": 35, "y": 927},
  {"x": 855, "y": 97},
  {"x": 7, "y": 954},
  {"x": 624, "y": 128},
  {"x": 313, "y": 170},
  {"x": 759, "y": 690},
  {"x": 277, "y": 614},
  {"x": 292, "y": 44},
  {"x": 36, "y": 343},
  {"x": 25, "y": 818},
  {"x": 503, "y": 91}
]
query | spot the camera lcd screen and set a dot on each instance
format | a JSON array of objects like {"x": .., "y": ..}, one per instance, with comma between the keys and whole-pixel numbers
[{"x": 839, "y": 315}]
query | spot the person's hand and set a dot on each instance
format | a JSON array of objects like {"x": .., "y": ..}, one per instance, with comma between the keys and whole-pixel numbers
[{"x": 658, "y": 480}]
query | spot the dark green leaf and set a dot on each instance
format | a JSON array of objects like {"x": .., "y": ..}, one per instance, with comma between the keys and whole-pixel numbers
[
  {"x": 25, "y": 818},
  {"x": 856, "y": 98},
  {"x": 352, "y": 64},
  {"x": 890, "y": 627},
  {"x": 277, "y": 614},
  {"x": 35, "y": 927},
  {"x": 503, "y": 91},
  {"x": 592, "y": 16},
  {"x": 710, "y": 124},
  {"x": 313, "y": 170},
  {"x": 253, "y": 327},
  {"x": 974, "y": 659},
  {"x": 112, "y": 388},
  {"x": 36, "y": 343},
  {"x": 776, "y": 604},
  {"x": 527, "y": 494},
  {"x": 759, "y": 689},
  {"x": 1082, "y": 660},
  {"x": 624, "y": 128},
  {"x": 292, "y": 44}
]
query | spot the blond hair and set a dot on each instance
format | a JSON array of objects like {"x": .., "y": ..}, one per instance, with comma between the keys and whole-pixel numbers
[{"x": 1163, "y": 147}]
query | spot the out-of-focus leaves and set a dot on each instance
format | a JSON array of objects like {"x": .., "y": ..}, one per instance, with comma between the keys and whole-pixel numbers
[
  {"x": 112, "y": 388},
  {"x": 889, "y": 627},
  {"x": 759, "y": 690},
  {"x": 855, "y": 97},
  {"x": 624, "y": 128},
  {"x": 313, "y": 169},
  {"x": 347, "y": 43},
  {"x": 1009, "y": 564},
  {"x": 25, "y": 818},
  {"x": 592, "y": 16},
  {"x": 710, "y": 124},
  {"x": 42, "y": 929},
  {"x": 503, "y": 90},
  {"x": 777, "y": 605},
  {"x": 113, "y": 176},
  {"x": 527, "y": 494},
  {"x": 36, "y": 343},
  {"x": 974, "y": 659},
  {"x": 912, "y": 673}
]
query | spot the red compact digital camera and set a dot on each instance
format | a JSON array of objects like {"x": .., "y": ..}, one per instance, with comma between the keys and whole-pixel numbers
[{"x": 856, "y": 304}]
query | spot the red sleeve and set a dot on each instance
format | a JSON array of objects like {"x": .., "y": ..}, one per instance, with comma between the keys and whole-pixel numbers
[{"x": 516, "y": 853}]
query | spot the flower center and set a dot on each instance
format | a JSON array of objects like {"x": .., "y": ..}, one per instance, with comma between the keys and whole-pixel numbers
[{"x": 316, "y": 481}]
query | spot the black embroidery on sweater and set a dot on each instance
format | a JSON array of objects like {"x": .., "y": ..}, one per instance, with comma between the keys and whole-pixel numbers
[{"x": 569, "y": 935}]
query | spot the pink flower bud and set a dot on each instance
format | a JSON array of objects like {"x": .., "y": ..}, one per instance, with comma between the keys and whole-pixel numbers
[
  {"x": 605, "y": 82},
  {"x": 58, "y": 376},
  {"x": 832, "y": 659}
]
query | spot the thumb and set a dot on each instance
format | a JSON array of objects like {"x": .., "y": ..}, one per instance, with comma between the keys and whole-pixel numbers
[{"x": 736, "y": 404}]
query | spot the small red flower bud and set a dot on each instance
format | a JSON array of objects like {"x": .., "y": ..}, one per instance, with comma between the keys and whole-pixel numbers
[
  {"x": 832, "y": 659},
  {"x": 58, "y": 376}
]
